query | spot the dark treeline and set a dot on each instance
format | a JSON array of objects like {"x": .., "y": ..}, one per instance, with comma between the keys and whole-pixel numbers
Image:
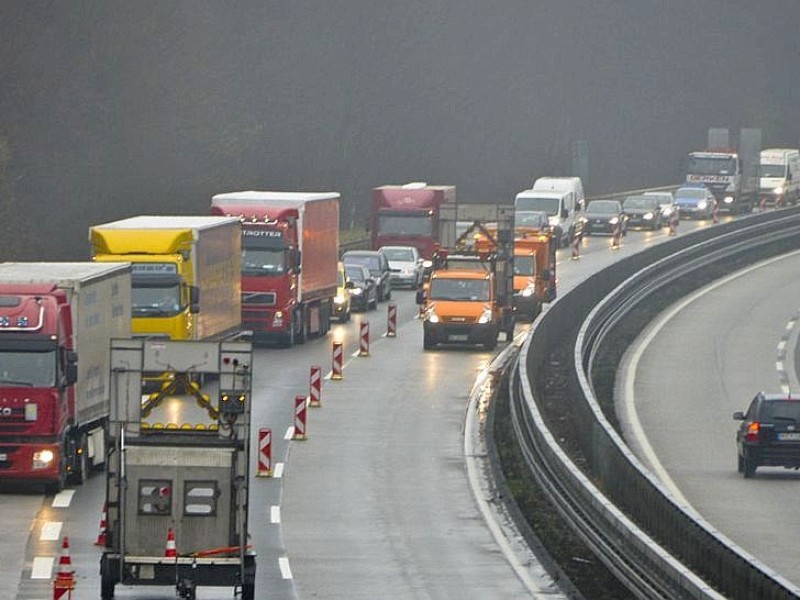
[{"x": 111, "y": 108}]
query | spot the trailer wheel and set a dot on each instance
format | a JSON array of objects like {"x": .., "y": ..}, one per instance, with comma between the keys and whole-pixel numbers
[
  {"x": 106, "y": 588},
  {"x": 302, "y": 332},
  {"x": 249, "y": 591},
  {"x": 80, "y": 472}
]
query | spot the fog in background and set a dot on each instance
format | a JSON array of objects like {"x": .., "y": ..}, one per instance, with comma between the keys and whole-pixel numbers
[{"x": 110, "y": 109}]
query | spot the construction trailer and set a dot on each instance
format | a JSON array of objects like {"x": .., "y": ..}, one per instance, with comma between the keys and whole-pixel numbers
[{"x": 177, "y": 487}]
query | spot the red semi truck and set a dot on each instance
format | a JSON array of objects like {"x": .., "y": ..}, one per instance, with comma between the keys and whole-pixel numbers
[
  {"x": 56, "y": 325},
  {"x": 290, "y": 250}
]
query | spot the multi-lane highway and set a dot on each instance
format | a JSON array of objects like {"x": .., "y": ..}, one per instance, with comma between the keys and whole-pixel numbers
[{"x": 374, "y": 503}]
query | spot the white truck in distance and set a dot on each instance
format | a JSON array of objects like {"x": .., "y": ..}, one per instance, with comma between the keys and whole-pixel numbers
[{"x": 779, "y": 176}]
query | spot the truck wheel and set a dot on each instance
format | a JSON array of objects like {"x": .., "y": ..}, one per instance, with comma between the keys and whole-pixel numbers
[
  {"x": 427, "y": 344},
  {"x": 80, "y": 472},
  {"x": 491, "y": 344},
  {"x": 249, "y": 591},
  {"x": 302, "y": 331},
  {"x": 288, "y": 340},
  {"x": 106, "y": 588}
]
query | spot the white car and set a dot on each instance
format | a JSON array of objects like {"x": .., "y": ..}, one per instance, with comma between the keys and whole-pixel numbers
[{"x": 406, "y": 265}]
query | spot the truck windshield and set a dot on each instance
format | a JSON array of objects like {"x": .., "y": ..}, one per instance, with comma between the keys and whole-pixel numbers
[
  {"x": 460, "y": 289},
  {"x": 263, "y": 261},
  {"x": 523, "y": 265},
  {"x": 547, "y": 205},
  {"x": 772, "y": 170},
  {"x": 30, "y": 369},
  {"x": 155, "y": 300},
  {"x": 421, "y": 225},
  {"x": 704, "y": 165}
]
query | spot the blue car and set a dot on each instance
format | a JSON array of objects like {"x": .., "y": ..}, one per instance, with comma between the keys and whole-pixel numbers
[{"x": 694, "y": 202}]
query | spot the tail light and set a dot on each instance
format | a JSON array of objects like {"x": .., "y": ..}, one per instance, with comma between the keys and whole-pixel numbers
[{"x": 752, "y": 431}]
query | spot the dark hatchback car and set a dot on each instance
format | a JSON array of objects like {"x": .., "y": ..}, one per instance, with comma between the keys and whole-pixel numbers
[
  {"x": 378, "y": 266},
  {"x": 642, "y": 211},
  {"x": 363, "y": 291},
  {"x": 604, "y": 216},
  {"x": 769, "y": 435}
]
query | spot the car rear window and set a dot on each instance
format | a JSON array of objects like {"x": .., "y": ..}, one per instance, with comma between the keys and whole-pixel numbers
[{"x": 781, "y": 410}]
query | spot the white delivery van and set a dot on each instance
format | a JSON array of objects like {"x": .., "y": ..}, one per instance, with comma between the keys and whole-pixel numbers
[
  {"x": 563, "y": 184},
  {"x": 561, "y": 207},
  {"x": 779, "y": 176}
]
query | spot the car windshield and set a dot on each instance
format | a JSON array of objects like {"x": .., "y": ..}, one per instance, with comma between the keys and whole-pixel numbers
[
  {"x": 370, "y": 261},
  {"x": 523, "y": 265},
  {"x": 355, "y": 274},
  {"x": 535, "y": 219},
  {"x": 263, "y": 261},
  {"x": 460, "y": 289},
  {"x": 638, "y": 202},
  {"x": 662, "y": 198},
  {"x": 155, "y": 300},
  {"x": 710, "y": 165},
  {"x": 546, "y": 205},
  {"x": 399, "y": 254},
  {"x": 405, "y": 225},
  {"x": 694, "y": 193},
  {"x": 781, "y": 410},
  {"x": 603, "y": 207}
]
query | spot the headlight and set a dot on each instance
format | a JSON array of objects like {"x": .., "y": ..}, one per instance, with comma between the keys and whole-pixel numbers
[
  {"x": 357, "y": 291},
  {"x": 43, "y": 459},
  {"x": 431, "y": 316},
  {"x": 647, "y": 216},
  {"x": 486, "y": 317},
  {"x": 728, "y": 199},
  {"x": 338, "y": 299},
  {"x": 702, "y": 204},
  {"x": 528, "y": 291},
  {"x": 778, "y": 190},
  {"x": 614, "y": 220},
  {"x": 277, "y": 320}
]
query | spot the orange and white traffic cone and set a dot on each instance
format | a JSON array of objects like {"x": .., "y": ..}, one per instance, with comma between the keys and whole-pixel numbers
[
  {"x": 170, "y": 551},
  {"x": 101, "y": 535},
  {"x": 64, "y": 582}
]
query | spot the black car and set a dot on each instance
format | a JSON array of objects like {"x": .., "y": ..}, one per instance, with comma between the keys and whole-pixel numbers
[
  {"x": 769, "y": 435},
  {"x": 643, "y": 211},
  {"x": 378, "y": 266},
  {"x": 363, "y": 291},
  {"x": 604, "y": 216}
]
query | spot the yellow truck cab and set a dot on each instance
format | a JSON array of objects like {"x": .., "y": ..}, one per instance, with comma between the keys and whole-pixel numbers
[{"x": 185, "y": 273}]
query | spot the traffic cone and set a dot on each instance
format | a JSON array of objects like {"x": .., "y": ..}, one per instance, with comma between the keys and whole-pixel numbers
[
  {"x": 101, "y": 535},
  {"x": 64, "y": 582},
  {"x": 170, "y": 551}
]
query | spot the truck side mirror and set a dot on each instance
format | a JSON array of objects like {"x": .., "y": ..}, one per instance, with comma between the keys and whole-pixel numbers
[
  {"x": 71, "y": 369},
  {"x": 298, "y": 261},
  {"x": 194, "y": 299}
]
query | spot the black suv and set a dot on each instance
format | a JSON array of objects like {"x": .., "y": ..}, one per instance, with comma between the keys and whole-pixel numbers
[
  {"x": 378, "y": 266},
  {"x": 769, "y": 434}
]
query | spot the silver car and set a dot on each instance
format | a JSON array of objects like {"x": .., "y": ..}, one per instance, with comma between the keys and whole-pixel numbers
[
  {"x": 667, "y": 203},
  {"x": 406, "y": 265}
]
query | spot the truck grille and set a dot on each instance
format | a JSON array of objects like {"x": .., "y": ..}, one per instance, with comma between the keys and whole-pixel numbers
[{"x": 265, "y": 298}]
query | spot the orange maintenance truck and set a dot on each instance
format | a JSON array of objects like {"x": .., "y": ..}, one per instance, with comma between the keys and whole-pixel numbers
[{"x": 468, "y": 299}]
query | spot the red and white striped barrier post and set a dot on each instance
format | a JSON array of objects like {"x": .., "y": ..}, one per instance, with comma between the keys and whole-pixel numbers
[
  {"x": 363, "y": 339},
  {"x": 264, "y": 453},
  {"x": 391, "y": 321},
  {"x": 336, "y": 364},
  {"x": 101, "y": 535},
  {"x": 299, "y": 418},
  {"x": 315, "y": 386},
  {"x": 615, "y": 235},
  {"x": 575, "y": 246}
]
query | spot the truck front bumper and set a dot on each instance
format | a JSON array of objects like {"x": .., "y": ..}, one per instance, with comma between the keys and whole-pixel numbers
[{"x": 461, "y": 333}]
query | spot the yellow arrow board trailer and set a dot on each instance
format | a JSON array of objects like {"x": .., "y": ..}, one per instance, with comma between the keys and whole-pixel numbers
[
  {"x": 177, "y": 486},
  {"x": 185, "y": 273}
]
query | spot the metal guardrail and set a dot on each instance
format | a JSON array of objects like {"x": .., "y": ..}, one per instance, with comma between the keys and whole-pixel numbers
[{"x": 656, "y": 547}]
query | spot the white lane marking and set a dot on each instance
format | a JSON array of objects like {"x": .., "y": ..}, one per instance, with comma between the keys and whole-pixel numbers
[
  {"x": 629, "y": 401},
  {"x": 785, "y": 389},
  {"x": 275, "y": 514},
  {"x": 42, "y": 567},
  {"x": 51, "y": 531},
  {"x": 63, "y": 499},
  {"x": 779, "y": 366},
  {"x": 289, "y": 433},
  {"x": 781, "y": 346},
  {"x": 283, "y": 563},
  {"x": 790, "y": 325},
  {"x": 278, "y": 472}
]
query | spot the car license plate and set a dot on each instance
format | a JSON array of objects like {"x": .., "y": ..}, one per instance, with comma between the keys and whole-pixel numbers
[
  {"x": 458, "y": 338},
  {"x": 789, "y": 437}
]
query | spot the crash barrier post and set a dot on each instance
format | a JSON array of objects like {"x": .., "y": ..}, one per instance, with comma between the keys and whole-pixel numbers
[
  {"x": 336, "y": 366},
  {"x": 299, "y": 418},
  {"x": 64, "y": 582},
  {"x": 315, "y": 386},
  {"x": 363, "y": 339},
  {"x": 391, "y": 321},
  {"x": 264, "y": 453}
]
